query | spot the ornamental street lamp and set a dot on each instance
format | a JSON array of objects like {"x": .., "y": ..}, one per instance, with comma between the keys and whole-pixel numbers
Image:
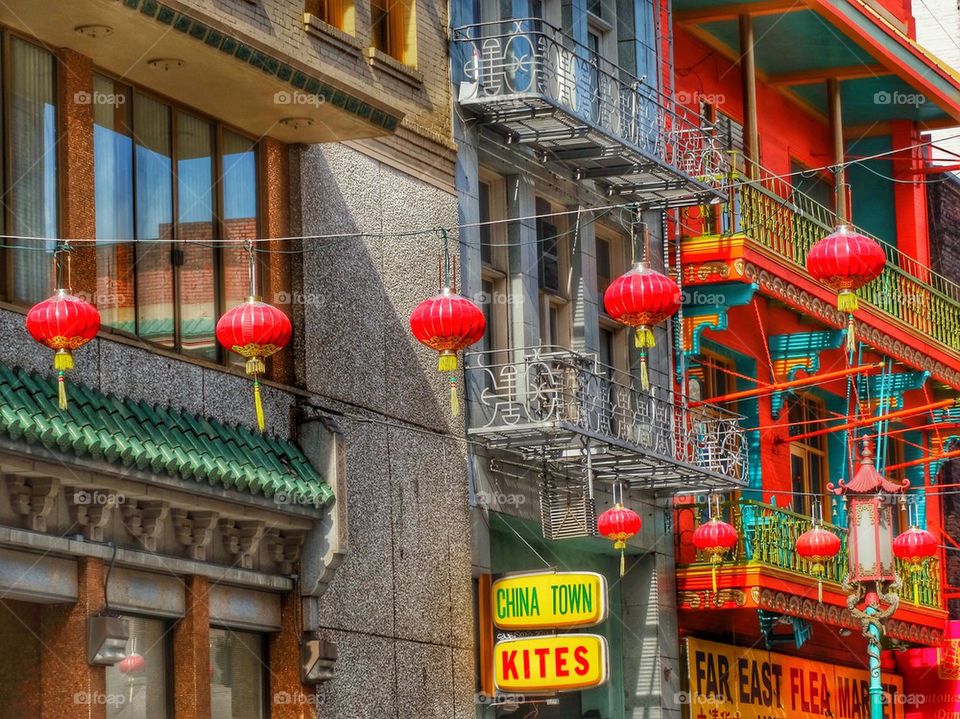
[{"x": 872, "y": 580}]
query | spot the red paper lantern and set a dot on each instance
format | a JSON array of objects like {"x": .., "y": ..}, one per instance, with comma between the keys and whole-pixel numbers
[
  {"x": 618, "y": 524},
  {"x": 915, "y": 547},
  {"x": 845, "y": 261},
  {"x": 818, "y": 546},
  {"x": 132, "y": 664},
  {"x": 448, "y": 323},
  {"x": 63, "y": 323},
  {"x": 715, "y": 538},
  {"x": 254, "y": 330},
  {"x": 641, "y": 298}
]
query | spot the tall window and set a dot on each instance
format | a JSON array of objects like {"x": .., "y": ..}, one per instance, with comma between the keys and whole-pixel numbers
[
  {"x": 338, "y": 13},
  {"x": 138, "y": 686},
  {"x": 807, "y": 457},
  {"x": 237, "y": 667},
  {"x": 30, "y": 173},
  {"x": 170, "y": 188},
  {"x": 494, "y": 299},
  {"x": 552, "y": 266},
  {"x": 393, "y": 29}
]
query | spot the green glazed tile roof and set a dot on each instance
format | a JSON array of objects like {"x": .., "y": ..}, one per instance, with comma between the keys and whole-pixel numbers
[{"x": 155, "y": 439}]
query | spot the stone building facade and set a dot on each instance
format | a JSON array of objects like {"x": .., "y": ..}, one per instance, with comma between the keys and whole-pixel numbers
[{"x": 348, "y": 523}]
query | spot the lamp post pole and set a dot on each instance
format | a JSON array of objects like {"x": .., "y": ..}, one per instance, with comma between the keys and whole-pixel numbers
[{"x": 871, "y": 582}]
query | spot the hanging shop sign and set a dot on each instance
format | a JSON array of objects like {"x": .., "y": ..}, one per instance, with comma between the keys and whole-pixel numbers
[
  {"x": 726, "y": 681},
  {"x": 550, "y": 663},
  {"x": 549, "y": 600}
]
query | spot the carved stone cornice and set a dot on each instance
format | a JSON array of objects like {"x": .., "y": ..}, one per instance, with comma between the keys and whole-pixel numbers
[
  {"x": 33, "y": 498},
  {"x": 143, "y": 519},
  {"x": 285, "y": 548},
  {"x": 194, "y": 530},
  {"x": 90, "y": 509},
  {"x": 241, "y": 539}
]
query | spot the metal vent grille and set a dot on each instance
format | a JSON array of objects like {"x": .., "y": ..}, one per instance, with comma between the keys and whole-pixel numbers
[{"x": 567, "y": 508}]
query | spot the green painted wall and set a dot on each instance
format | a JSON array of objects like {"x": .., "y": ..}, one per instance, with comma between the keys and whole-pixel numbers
[
  {"x": 873, "y": 202},
  {"x": 515, "y": 545}
]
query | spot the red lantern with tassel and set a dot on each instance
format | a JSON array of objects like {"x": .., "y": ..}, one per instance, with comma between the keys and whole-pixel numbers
[
  {"x": 618, "y": 524},
  {"x": 845, "y": 261},
  {"x": 63, "y": 323},
  {"x": 448, "y": 323},
  {"x": 641, "y": 298},
  {"x": 715, "y": 538},
  {"x": 818, "y": 546},
  {"x": 254, "y": 330},
  {"x": 915, "y": 547},
  {"x": 132, "y": 664}
]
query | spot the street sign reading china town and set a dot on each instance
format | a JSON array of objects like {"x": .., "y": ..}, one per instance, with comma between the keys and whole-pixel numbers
[
  {"x": 544, "y": 664},
  {"x": 549, "y": 600},
  {"x": 728, "y": 682}
]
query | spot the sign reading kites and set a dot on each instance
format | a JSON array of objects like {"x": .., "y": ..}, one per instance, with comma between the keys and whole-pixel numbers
[{"x": 548, "y": 663}]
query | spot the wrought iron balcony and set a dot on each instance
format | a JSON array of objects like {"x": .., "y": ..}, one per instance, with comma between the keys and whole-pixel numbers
[
  {"x": 768, "y": 538},
  {"x": 537, "y": 86},
  {"x": 573, "y": 414},
  {"x": 778, "y": 221}
]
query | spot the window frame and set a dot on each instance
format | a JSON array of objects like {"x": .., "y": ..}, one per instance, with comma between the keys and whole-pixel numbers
[
  {"x": 496, "y": 270},
  {"x": 549, "y": 300},
  {"x": 400, "y": 25},
  {"x": 6, "y": 157},
  {"x": 218, "y": 128},
  {"x": 813, "y": 450},
  {"x": 169, "y": 665},
  {"x": 265, "y": 671}
]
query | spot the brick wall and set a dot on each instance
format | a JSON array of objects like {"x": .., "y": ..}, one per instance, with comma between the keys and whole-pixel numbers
[{"x": 943, "y": 201}]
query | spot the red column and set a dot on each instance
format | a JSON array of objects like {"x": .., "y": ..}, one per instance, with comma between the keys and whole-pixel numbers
[
  {"x": 191, "y": 654},
  {"x": 910, "y": 194}
]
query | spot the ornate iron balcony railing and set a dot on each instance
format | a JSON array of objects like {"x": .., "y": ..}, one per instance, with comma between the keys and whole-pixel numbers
[
  {"x": 786, "y": 222},
  {"x": 542, "y": 88},
  {"x": 768, "y": 537},
  {"x": 565, "y": 408}
]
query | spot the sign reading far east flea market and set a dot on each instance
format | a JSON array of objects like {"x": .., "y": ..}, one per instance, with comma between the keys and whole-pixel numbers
[
  {"x": 549, "y": 600},
  {"x": 551, "y": 663}
]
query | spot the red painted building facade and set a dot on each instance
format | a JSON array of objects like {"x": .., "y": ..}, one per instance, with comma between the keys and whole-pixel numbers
[{"x": 808, "y": 98}]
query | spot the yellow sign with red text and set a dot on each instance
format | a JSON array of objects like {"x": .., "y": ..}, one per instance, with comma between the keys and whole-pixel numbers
[
  {"x": 549, "y": 600},
  {"x": 550, "y": 663},
  {"x": 730, "y": 682}
]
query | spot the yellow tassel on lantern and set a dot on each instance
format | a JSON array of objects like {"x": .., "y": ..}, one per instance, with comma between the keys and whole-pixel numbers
[
  {"x": 255, "y": 366},
  {"x": 454, "y": 399},
  {"x": 258, "y": 403},
  {"x": 851, "y": 335},
  {"x": 847, "y": 301},
  {"x": 644, "y": 337},
  {"x": 61, "y": 390},
  {"x": 715, "y": 560},
  {"x": 621, "y": 545},
  {"x": 448, "y": 361},
  {"x": 644, "y": 373},
  {"x": 63, "y": 360}
]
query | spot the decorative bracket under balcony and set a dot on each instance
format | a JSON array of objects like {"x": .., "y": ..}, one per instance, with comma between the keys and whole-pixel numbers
[
  {"x": 800, "y": 350},
  {"x": 706, "y": 307},
  {"x": 888, "y": 388},
  {"x": 538, "y": 87}
]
